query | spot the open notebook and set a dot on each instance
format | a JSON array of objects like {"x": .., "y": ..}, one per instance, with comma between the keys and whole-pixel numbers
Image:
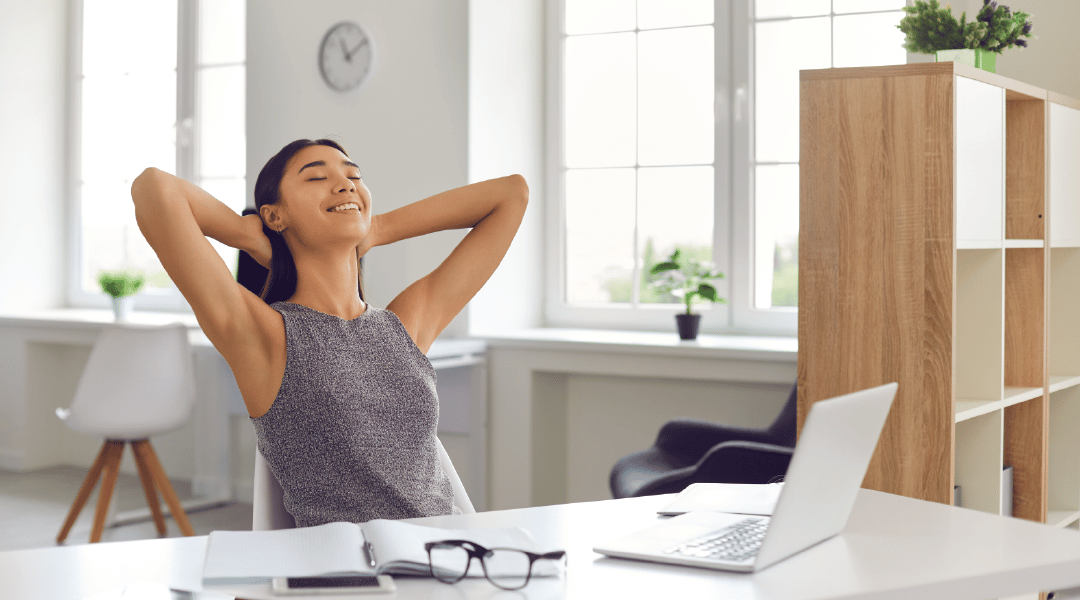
[{"x": 376, "y": 547}]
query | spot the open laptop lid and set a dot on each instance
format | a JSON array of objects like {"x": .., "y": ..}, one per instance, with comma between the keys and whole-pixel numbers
[{"x": 826, "y": 471}]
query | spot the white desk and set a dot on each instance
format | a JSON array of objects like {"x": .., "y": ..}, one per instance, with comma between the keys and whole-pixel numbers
[
  {"x": 41, "y": 358},
  {"x": 893, "y": 547}
]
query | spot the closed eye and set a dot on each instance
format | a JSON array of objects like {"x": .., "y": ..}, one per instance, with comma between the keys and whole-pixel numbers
[{"x": 316, "y": 179}]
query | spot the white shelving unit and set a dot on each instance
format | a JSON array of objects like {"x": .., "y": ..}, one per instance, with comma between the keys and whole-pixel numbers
[{"x": 940, "y": 248}]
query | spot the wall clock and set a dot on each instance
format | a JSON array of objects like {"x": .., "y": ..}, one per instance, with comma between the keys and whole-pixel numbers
[{"x": 346, "y": 56}]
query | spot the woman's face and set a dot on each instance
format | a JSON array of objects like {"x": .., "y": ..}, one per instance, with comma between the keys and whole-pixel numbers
[{"x": 323, "y": 199}]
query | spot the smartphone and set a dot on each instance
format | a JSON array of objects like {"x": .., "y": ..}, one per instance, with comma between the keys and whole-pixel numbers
[{"x": 348, "y": 584}]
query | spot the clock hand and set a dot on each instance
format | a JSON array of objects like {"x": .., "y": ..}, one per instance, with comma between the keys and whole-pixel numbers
[
  {"x": 345, "y": 49},
  {"x": 359, "y": 46}
]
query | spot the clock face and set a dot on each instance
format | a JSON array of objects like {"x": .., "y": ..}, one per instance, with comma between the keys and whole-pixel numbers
[{"x": 345, "y": 56}]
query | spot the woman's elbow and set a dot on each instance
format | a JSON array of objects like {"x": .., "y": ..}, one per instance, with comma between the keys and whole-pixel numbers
[{"x": 519, "y": 189}]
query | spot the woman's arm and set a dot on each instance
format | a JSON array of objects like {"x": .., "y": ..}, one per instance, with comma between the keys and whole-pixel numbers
[
  {"x": 176, "y": 217},
  {"x": 493, "y": 209}
]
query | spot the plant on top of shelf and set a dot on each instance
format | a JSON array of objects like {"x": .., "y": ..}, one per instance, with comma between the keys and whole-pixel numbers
[
  {"x": 688, "y": 280},
  {"x": 932, "y": 29}
]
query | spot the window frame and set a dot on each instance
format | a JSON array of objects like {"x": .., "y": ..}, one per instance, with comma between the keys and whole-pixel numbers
[
  {"x": 733, "y": 200},
  {"x": 187, "y": 151}
]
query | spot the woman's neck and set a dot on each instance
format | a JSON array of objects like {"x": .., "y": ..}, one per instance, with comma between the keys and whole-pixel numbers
[{"x": 328, "y": 283}]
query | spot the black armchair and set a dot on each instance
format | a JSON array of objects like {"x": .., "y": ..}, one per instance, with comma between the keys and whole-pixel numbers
[{"x": 690, "y": 451}]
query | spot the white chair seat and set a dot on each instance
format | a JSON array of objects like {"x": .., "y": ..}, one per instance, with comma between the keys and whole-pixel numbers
[{"x": 138, "y": 382}]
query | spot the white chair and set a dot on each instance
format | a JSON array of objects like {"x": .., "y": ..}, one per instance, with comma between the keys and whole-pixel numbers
[
  {"x": 268, "y": 506},
  {"x": 138, "y": 382}
]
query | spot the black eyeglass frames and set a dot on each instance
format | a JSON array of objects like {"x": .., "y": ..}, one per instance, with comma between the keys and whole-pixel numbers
[{"x": 505, "y": 568}]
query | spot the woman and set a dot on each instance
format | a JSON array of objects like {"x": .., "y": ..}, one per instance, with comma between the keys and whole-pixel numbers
[{"x": 340, "y": 392}]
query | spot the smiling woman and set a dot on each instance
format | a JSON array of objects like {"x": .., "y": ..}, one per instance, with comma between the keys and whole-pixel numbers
[{"x": 340, "y": 392}]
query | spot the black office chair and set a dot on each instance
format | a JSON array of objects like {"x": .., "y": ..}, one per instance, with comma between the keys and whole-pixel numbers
[{"x": 690, "y": 451}]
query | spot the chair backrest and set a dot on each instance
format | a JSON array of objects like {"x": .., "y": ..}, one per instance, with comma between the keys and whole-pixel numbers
[
  {"x": 268, "y": 506},
  {"x": 138, "y": 381},
  {"x": 784, "y": 428}
]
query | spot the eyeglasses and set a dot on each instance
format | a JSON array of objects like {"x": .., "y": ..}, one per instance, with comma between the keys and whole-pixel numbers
[{"x": 505, "y": 568}]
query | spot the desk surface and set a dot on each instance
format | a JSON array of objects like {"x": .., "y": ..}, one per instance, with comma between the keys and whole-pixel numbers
[{"x": 893, "y": 547}]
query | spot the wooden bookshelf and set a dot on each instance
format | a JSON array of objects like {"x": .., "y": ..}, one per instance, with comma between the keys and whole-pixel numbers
[{"x": 940, "y": 248}]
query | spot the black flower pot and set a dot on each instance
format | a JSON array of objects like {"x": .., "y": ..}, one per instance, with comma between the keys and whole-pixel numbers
[{"x": 688, "y": 325}]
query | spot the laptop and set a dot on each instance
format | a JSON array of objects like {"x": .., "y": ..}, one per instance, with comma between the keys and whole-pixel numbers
[{"x": 822, "y": 481}]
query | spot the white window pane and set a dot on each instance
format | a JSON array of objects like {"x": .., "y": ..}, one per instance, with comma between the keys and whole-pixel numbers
[
  {"x": 776, "y": 235},
  {"x": 600, "y": 98},
  {"x": 222, "y": 31},
  {"x": 675, "y": 210},
  {"x": 231, "y": 191},
  {"x": 111, "y": 238},
  {"x": 782, "y": 48},
  {"x": 848, "y": 6},
  {"x": 652, "y": 14},
  {"x": 599, "y": 235},
  {"x": 127, "y": 36},
  {"x": 221, "y": 122},
  {"x": 127, "y": 125},
  {"x": 868, "y": 40},
  {"x": 767, "y": 9},
  {"x": 675, "y": 86},
  {"x": 599, "y": 16}
]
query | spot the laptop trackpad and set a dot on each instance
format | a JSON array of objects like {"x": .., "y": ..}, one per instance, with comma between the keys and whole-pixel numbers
[{"x": 669, "y": 532}]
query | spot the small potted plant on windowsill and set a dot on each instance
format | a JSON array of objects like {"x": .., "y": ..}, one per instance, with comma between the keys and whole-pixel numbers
[
  {"x": 688, "y": 281},
  {"x": 122, "y": 287},
  {"x": 932, "y": 29}
]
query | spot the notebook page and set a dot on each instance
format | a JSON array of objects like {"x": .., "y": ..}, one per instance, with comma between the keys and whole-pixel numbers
[{"x": 307, "y": 551}]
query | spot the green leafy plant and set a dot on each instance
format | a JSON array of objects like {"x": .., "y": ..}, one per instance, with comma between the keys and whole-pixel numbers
[
  {"x": 929, "y": 27},
  {"x": 687, "y": 279},
  {"x": 121, "y": 283}
]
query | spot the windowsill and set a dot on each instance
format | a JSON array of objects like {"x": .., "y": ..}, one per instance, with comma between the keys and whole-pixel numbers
[{"x": 731, "y": 347}]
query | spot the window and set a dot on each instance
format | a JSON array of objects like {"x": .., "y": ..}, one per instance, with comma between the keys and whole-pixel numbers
[
  {"x": 677, "y": 127},
  {"x": 156, "y": 84}
]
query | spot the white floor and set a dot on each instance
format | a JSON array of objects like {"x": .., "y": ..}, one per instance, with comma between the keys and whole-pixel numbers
[{"x": 33, "y": 506}]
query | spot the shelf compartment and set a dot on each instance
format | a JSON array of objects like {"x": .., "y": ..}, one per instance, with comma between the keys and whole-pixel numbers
[
  {"x": 979, "y": 327},
  {"x": 979, "y": 448},
  {"x": 1063, "y": 328},
  {"x": 1025, "y": 172},
  {"x": 1064, "y": 460},
  {"x": 1025, "y": 317},
  {"x": 1061, "y": 382},
  {"x": 1023, "y": 244},
  {"x": 1025, "y": 452},
  {"x": 1062, "y": 518},
  {"x": 967, "y": 408}
]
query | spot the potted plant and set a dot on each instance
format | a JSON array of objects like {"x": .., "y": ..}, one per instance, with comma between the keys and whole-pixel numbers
[
  {"x": 932, "y": 29},
  {"x": 688, "y": 281},
  {"x": 122, "y": 286}
]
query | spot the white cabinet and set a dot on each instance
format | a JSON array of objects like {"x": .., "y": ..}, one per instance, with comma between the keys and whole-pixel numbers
[
  {"x": 1064, "y": 169},
  {"x": 980, "y": 158}
]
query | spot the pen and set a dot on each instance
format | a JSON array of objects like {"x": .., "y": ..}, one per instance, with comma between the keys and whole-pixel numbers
[{"x": 370, "y": 554}]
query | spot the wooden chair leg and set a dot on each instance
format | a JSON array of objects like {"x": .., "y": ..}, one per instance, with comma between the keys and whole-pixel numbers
[
  {"x": 151, "y": 494},
  {"x": 111, "y": 471},
  {"x": 162, "y": 482},
  {"x": 84, "y": 492}
]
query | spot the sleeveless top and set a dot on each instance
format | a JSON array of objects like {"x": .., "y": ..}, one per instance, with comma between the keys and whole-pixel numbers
[{"x": 351, "y": 433}]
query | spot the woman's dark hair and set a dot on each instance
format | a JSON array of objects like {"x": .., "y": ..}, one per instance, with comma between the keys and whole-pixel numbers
[{"x": 281, "y": 282}]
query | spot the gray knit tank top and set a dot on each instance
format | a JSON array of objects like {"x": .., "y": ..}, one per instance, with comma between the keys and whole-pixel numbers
[{"x": 351, "y": 434}]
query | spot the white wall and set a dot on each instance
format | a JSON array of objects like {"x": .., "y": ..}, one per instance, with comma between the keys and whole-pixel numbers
[
  {"x": 506, "y": 135},
  {"x": 406, "y": 127},
  {"x": 33, "y": 131}
]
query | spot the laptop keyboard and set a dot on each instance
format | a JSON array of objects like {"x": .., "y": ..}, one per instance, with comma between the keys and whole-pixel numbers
[{"x": 737, "y": 543}]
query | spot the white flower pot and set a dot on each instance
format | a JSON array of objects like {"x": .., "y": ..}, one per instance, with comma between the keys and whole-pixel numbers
[{"x": 122, "y": 307}]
